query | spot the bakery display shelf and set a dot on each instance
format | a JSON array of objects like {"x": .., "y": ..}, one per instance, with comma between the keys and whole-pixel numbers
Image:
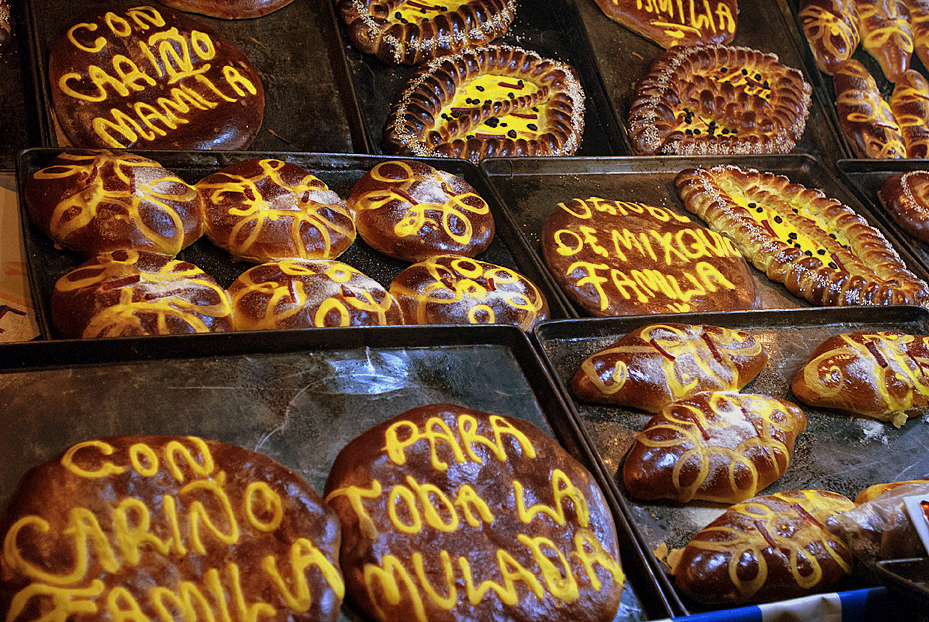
[
  {"x": 531, "y": 189},
  {"x": 297, "y": 398},
  {"x": 551, "y": 28},
  {"x": 837, "y": 452},
  {"x": 46, "y": 264},
  {"x": 309, "y": 105},
  {"x": 624, "y": 58}
]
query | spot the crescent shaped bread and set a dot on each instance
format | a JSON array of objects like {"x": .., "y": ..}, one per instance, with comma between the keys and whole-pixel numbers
[
  {"x": 909, "y": 104},
  {"x": 653, "y": 366},
  {"x": 723, "y": 447},
  {"x": 831, "y": 29},
  {"x": 905, "y": 196},
  {"x": 919, "y": 21},
  {"x": 413, "y": 31},
  {"x": 718, "y": 99},
  {"x": 768, "y": 548},
  {"x": 493, "y": 101},
  {"x": 866, "y": 119},
  {"x": 675, "y": 23},
  {"x": 886, "y": 34},
  {"x": 883, "y": 375},
  {"x": 818, "y": 248}
]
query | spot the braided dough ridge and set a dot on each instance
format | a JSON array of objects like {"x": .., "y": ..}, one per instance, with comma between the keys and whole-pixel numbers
[
  {"x": 872, "y": 272},
  {"x": 411, "y": 127}
]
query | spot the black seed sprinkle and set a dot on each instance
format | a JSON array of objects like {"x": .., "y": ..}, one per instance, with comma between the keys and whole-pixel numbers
[
  {"x": 821, "y": 251},
  {"x": 480, "y": 88},
  {"x": 511, "y": 133},
  {"x": 493, "y": 122},
  {"x": 808, "y": 253},
  {"x": 533, "y": 127},
  {"x": 832, "y": 265},
  {"x": 792, "y": 236},
  {"x": 778, "y": 219}
]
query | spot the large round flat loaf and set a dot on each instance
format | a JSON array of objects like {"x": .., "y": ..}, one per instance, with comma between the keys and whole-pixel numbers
[
  {"x": 161, "y": 527},
  {"x": 818, "y": 248},
  {"x": 883, "y": 375},
  {"x": 655, "y": 365},
  {"x": 492, "y": 101},
  {"x": 718, "y": 99},
  {"x": 409, "y": 210},
  {"x": 130, "y": 293},
  {"x": 100, "y": 201},
  {"x": 866, "y": 119},
  {"x": 411, "y": 32},
  {"x": 905, "y": 196},
  {"x": 621, "y": 258},
  {"x": 228, "y": 9},
  {"x": 886, "y": 34},
  {"x": 450, "y": 514},
  {"x": 723, "y": 447},
  {"x": 668, "y": 24},
  {"x": 768, "y": 548},
  {"x": 831, "y": 29},
  {"x": 302, "y": 293},
  {"x": 153, "y": 78}
]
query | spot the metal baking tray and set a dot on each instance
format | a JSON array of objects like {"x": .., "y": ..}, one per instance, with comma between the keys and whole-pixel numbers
[
  {"x": 532, "y": 188},
  {"x": 297, "y": 398},
  {"x": 309, "y": 105},
  {"x": 624, "y": 58},
  {"x": 841, "y": 453},
  {"x": 18, "y": 125},
  {"x": 46, "y": 263},
  {"x": 551, "y": 28}
]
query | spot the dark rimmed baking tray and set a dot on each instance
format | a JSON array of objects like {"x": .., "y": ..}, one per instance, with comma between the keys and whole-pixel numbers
[
  {"x": 309, "y": 105},
  {"x": 532, "y": 188},
  {"x": 837, "y": 452},
  {"x": 551, "y": 28},
  {"x": 46, "y": 264},
  {"x": 297, "y": 398},
  {"x": 624, "y": 58},
  {"x": 18, "y": 123}
]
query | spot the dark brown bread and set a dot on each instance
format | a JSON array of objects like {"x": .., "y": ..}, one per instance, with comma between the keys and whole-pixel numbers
[
  {"x": 684, "y": 24},
  {"x": 866, "y": 119},
  {"x": 905, "y": 196},
  {"x": 228, "y": 9},
  {"x": 886, "y": 34},
  {"x": 909, "y": 104},
  {"x": 831, "y": 29}
]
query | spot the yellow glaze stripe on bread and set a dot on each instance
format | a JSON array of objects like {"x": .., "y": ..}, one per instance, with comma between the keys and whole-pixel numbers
[
  {"x": 521, "y": 123},
  {"x": 414, "y": 11}
]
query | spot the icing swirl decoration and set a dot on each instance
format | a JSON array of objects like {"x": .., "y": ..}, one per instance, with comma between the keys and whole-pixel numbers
[
  {"x": 909, "y": 104},
  {"x": 867, "y": 120},
  {"x": 494, "y": 101},
  {"x": 886, "y": 34},
  {"x": 831, "y": 29}
]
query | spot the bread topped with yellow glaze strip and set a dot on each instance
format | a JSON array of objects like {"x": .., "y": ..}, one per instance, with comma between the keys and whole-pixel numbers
[
  {"x": 886, "y": 34},
  {"x": 909, "y": 104},
  {"x": 668, "y": 24},
  {"x": 228, "y": 9},
  {"x": 831, "y": 29},
  {"x": 866, "y": 119}
]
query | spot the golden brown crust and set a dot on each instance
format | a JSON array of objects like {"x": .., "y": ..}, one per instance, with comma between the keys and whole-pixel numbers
[
  {"x": 882, "y": 375},
  {"x": 411, "y": 211},
  {"x": 866, "y": 119},
  {"x": 653, "y": 366},
  {"x": 873, "y": 492},
  {"x": 448, "y": 289},
  {"x": 436, "y": 114},
  {"x": 831, "y": 29},
  {"x": 165, "y": 525},
  {"x": 796, "y": 248},
  {"x": 767, "y": 548},
  {"x": 265, "y": 210},
  {"x": 886, "y": 34},
  {"x": 100, "y": 201},
  {"x": 676, "y": 23},
  {"x": 130, "y": 293},
  {"x": 909, "y": 103},
  {"x": 300, "y": 293},
  {"x": 455, "y": 498},
  {"x": 723, "y": 447},
  {"x": 905, "y": 196},
  {"x": 919, "y": 21},
  {"x": 411, "y": 32},
  {"x": 228, "y": 9},
  {"x": 718, "y": 99}
]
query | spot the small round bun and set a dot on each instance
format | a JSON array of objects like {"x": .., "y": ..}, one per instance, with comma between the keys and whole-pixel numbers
[
  {"x": 299, "y": 293},
  {"x": 448, "y": 289},
  {"x": 905, "y": 196},
  {"x": 131, "y": 293},
  {"x": 228, "y": 9},
  {"x": 264, "y": 210},
  {"x": 411, "y": 211},
  {"x": 98, "y": 201}
]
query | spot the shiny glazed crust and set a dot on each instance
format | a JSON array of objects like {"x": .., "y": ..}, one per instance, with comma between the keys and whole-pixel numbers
[
  {"x": 100, "y": 201},
  {"x": 265, "y": 210},
  {"x": 905, "y": 196},
  {"x": 763, "y": 110},
  {"x": 455, "y": 497},
  {"x": 297, "y": 293},
  {"x": 747, "y": 554},
  {"x": 857, "y": 267},
  {"x": 723, "y": 447},
  {"x": 831, "y": 29},
  {"x": 919, "y": 21},
  {"x": 203, "y": 518},
  {"x": 422, "y": 121},
  {"x": 886, "y": 34},
  {"x": 228, "y": 9},
  {"x": 411, "y": 211},
  {"x": 655, "y": 365},
  {"x": 130, "y": 293},
  {"x": 866, "y": 119},
  {"x": 909, "y": 103},
  {"x": 881, "y": 375},
  {"x": 448, "y": 289},
  {"x": 382, "y": 28},
  {"x": 670, "y": 24}
]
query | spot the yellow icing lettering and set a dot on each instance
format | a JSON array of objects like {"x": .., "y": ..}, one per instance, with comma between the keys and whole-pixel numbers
[
  {"x": 99, "y": 42},
  {"x": 404, "y": 493},
  {"x": 122, "y": 124},
  {"x": 395, "y": 447},
  {"x": 247, "y": 613},
  {"x": 303, "y": 555},
  {"x": 106, "y": 469},
  {"x": 427, "y": 492},
  {"x": 501, "y": 426},
  {"x": 710, "y": 277},
  {"x": 572, "y": 246},
  {"x": 386, "y": 578},
  {"x": 469, "y": 501},
  {"x": 621, "y": 282},
  {"x": 694, "y": 248},
  {"x": 148, "y": 114},
  {"x": 268, "y": 502},
  {"x": 67, "y": 90},
  {"x": 66, "y": 603},
  {"x": 141, "y": 455},
  {"x": 355, "y": 495},
  {"x": 118, "y": 26},
  {"x": 588, "y": 237},
  {"x": 175, "y": 449},
  {"x": 589, "y": 550},
  {"x": 178, "y": 64},
  {"x": 122, "y": 607},
  {"x": 665, "y": 240},
  {"x": 199, "y": 514},
  {"x": 512, "y": 571},
  {"x": 630, "y": 240},
  {"x": 560, "y": 581},
  {"x": 190, "y": 600},
  {"x": 239, "y": 83},
  {"x": 170, "y": 508},
  {"x": 445, "y": 602},
  {"x": 131, "y": 537},
  {"x": 563, "y": 489},
  {"x": 142, "y": 14}
]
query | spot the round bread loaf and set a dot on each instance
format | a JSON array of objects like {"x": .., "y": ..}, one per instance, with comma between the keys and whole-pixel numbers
[
  {"x": 447, "y": 289},
  {"x": 676, "y": 23},
  {"x": 264, "y": 210},
  {"x": 620, "y": 258},
  {"x": 100, "y": 201},
  {"x": 866, "y": 119},
  {"x": 449, "y": 513},
  {"x": 411, "y": 211},
  {"x": 228, "y": 9},
  {"x": 152, "y": 78},
  {"x": 905, "y": 196},
  {"x": 129, "y": 293},
  {"x": 300, "y": 293},
  {"x": 166, "y": 526}
]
